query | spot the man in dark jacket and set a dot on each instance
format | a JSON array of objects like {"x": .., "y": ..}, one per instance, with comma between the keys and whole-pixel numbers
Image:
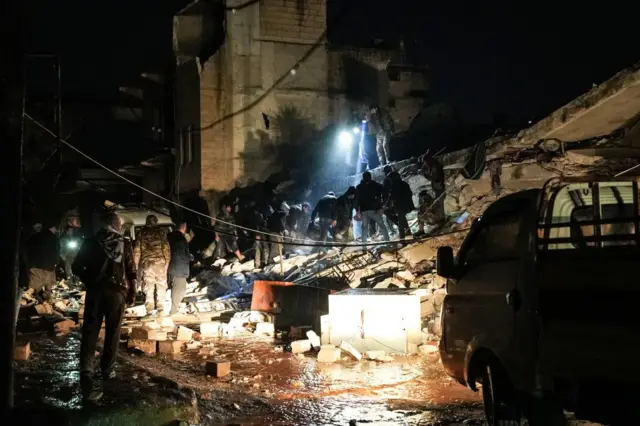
[
  {"x": 369, "y": 196},
  {"x": 226, "y": 232},
  {"x": 275, "y": 225},
  {"x": 399, "y": 202},
  {"x": 344, "y": 208},
  {"x": 327, "y": 212},
  {"x": 152, "y": 255},
  {"x": 178, "y": 271},
  {"x": 256, "y": 220},
  {"x": 43, "y": 254},
  {"x": 106, "y": 266},
  {"x": 432, "y": 170}
]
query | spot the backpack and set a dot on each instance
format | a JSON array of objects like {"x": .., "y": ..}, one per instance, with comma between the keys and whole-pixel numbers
[{"x": 91, "y": 262}]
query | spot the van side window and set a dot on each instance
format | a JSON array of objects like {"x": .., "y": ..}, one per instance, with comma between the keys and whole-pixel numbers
[{"x": 496, "y": 240}]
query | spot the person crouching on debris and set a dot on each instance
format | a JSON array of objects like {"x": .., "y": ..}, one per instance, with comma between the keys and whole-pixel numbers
[
  {"x": 327, "y": 213},
  {"x": 106, "y": 265},
  {"x": 426, "y": 212},
  {"x": 178, "y": 271},
  {"x": 369, "y": 196},
  {"x": 345, "y": 205},
  {"x": 226, "y": 233},
  {"x": 152, "y": 255}
]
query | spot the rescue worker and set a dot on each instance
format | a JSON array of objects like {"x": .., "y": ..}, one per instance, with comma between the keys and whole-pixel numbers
[
  {"x": 495, "y": 171},
  {"x": 226, "y": 233},
  {"x": 380, "y": 124},
  {"x": 178, "y": 271},
  {"x": 275, "y": 225},
  {"x": 152, "y": 256},
  {"x": 400, "y": 202},
  {"x": 298, "y": 220},
  {"x": 257, "y": 221},
  {"x": 327, "y": 213},
  {"x": 345, "y": 205},
  {"x": 106, "y": 265},
  {"x": 43, "y": 254},
  {"x": 70, "y": 243},
  {"x": 434, "y": 172},
  {"x": 369, "y": 196}
]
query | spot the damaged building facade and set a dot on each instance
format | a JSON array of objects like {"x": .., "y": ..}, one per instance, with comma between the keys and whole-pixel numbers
[{"x": 256, "y": 82}]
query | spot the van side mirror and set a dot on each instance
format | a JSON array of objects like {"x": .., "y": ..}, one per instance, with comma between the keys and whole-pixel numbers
[{"x": 445, "y": 262}]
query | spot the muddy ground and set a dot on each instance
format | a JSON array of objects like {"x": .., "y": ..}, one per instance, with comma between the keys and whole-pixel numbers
[{"x": 267, "y": 386}]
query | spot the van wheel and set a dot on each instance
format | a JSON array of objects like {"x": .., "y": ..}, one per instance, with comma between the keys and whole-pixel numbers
[
  {"x": 545, "y": 412},
  {"x": 500, "y": 406}
]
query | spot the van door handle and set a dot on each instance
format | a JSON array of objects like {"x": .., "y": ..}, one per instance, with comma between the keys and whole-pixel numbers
[{"x": 450, "y": 310}]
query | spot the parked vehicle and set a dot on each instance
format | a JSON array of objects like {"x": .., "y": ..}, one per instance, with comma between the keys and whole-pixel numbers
[{"x": 542, "y": 304}]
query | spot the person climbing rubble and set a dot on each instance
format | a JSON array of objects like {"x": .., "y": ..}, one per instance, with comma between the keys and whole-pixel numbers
[
  {"x": 298, "y": 220},
  {"x": 226, "y": 233},
  {"x": 106, "y": 265},
  {"x": 369, "y": 205},
  {"x": 326, "y": 211},
  {"x": 152, "y": 256},
  {"x": 380, "y": 123},
  {"x": 43, "y": 254},
  {"x": 433, "y": 171},
  {"x": 398, "y": 202},
  {"x": 345, "y": 205},
  {"x": 426, "y": 213},
  {"x": 179, "y": 264}
]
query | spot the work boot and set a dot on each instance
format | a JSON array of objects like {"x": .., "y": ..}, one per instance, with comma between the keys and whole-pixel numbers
[{"x": 89, "y": 392}]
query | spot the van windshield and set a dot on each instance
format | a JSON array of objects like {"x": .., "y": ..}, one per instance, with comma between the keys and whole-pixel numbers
[{"x": 590, "y": 215}]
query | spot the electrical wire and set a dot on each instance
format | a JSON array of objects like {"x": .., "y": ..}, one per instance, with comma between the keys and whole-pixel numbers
[
  {"x": 303, "y": 242},
  {"x": 319, "y": 42}
]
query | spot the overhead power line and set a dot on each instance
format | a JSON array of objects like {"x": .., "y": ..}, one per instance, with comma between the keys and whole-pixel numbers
[{"x": 290, "y": 240}]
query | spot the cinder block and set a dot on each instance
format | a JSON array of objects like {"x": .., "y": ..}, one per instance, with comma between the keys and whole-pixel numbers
[
  {"x": 300, "y": 346},
  {"x": 265, "y": 328},
  {"x": 170, "y": 347},
  {"x": 22, "y": 352},
  {"x": 329, "y": 354},
  {"x": 211, "y": 329},
  {"x": 218, "y": 368}
]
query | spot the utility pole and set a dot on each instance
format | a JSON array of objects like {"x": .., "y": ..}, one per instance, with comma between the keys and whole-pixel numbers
[{"x": 11, "y": 120}]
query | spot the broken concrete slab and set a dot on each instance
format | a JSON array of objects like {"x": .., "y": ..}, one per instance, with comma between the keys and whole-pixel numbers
[
  {"x": 314, "y": 339},
  {"x": 44, "y": 308},
  {"x": 139, "y": 333},
  {"x": 416, "y": 253},
  {"x": 374, "y": 355},
  {"x": 218, "y": 368},
  {"x": 350, "y": 350},
  {"x": 265, "y": 329},
  {"x": 211, "y": 329},
  {"x": 149, "y": 347},
  {"x": 185, "y": 334},
  {"x": 136, "y": 311},
  {"x": 300, "y": 346},
  {"x": 405, "y": 275},
  {"x": 329, "y": 354},
  {"x": 167, "y": 322},
  {"x": 170, "y": 347},
  {"x": 22, "y": 351}
]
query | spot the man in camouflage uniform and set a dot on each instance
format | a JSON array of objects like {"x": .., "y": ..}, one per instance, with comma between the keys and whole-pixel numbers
[
  {"x": 380, "y": 124},
  {"x": 152, "y": 255}
]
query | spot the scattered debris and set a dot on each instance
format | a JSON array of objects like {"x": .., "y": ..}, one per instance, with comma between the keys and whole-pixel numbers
[
  {"x": 218, "y": 368},
  {"x": 350, "y": 350},
  {"x": 314, "y": 339},
  {"x": 64, "y": 327},
  {"x": 185, "y": 334},
  {"x": 23, "y": 351},
  {"x": 170, "y": 347},
  {"x": 265, "y": 328},
  {"x": 329, "y": 354},
  {"x": 300, "y": 346},
  {"x": 149, "y": 347}
]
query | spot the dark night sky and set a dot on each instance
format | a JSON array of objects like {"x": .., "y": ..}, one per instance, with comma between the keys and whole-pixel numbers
[{"x": 486, "y": 57}]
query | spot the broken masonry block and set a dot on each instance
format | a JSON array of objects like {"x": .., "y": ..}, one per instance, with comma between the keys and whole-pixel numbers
[
  {"x": 157, "y": 335},
  {"x": 22, "y": 352},
  {"x": 167, "y": 322},
  {"x": 329, "y": 354},
  {"x": 149, "y": 347},
  {"x": 145, "y": 334},
  {"x": 218, "y": 368},
  {"x": 300, "y": 346},
  {"x": 298, "y": 332},
  {"x": 228, "y": 330},
  {"x": 265, "y": 328},
  {"x": 64, "y": 327},
  {"x": 314, "y": 339},
  {"x": 136, "y": 311},
  {"x": 125, "y": 332},
  {"x": 375, "y": 355},
  {"x": 170, "y": 347},
  {"x": 185, "y": 334},
  {"x": 350, "y": 350},
  {"x": 211, "y": 329},
  {"x": 44, "y": 309}
]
